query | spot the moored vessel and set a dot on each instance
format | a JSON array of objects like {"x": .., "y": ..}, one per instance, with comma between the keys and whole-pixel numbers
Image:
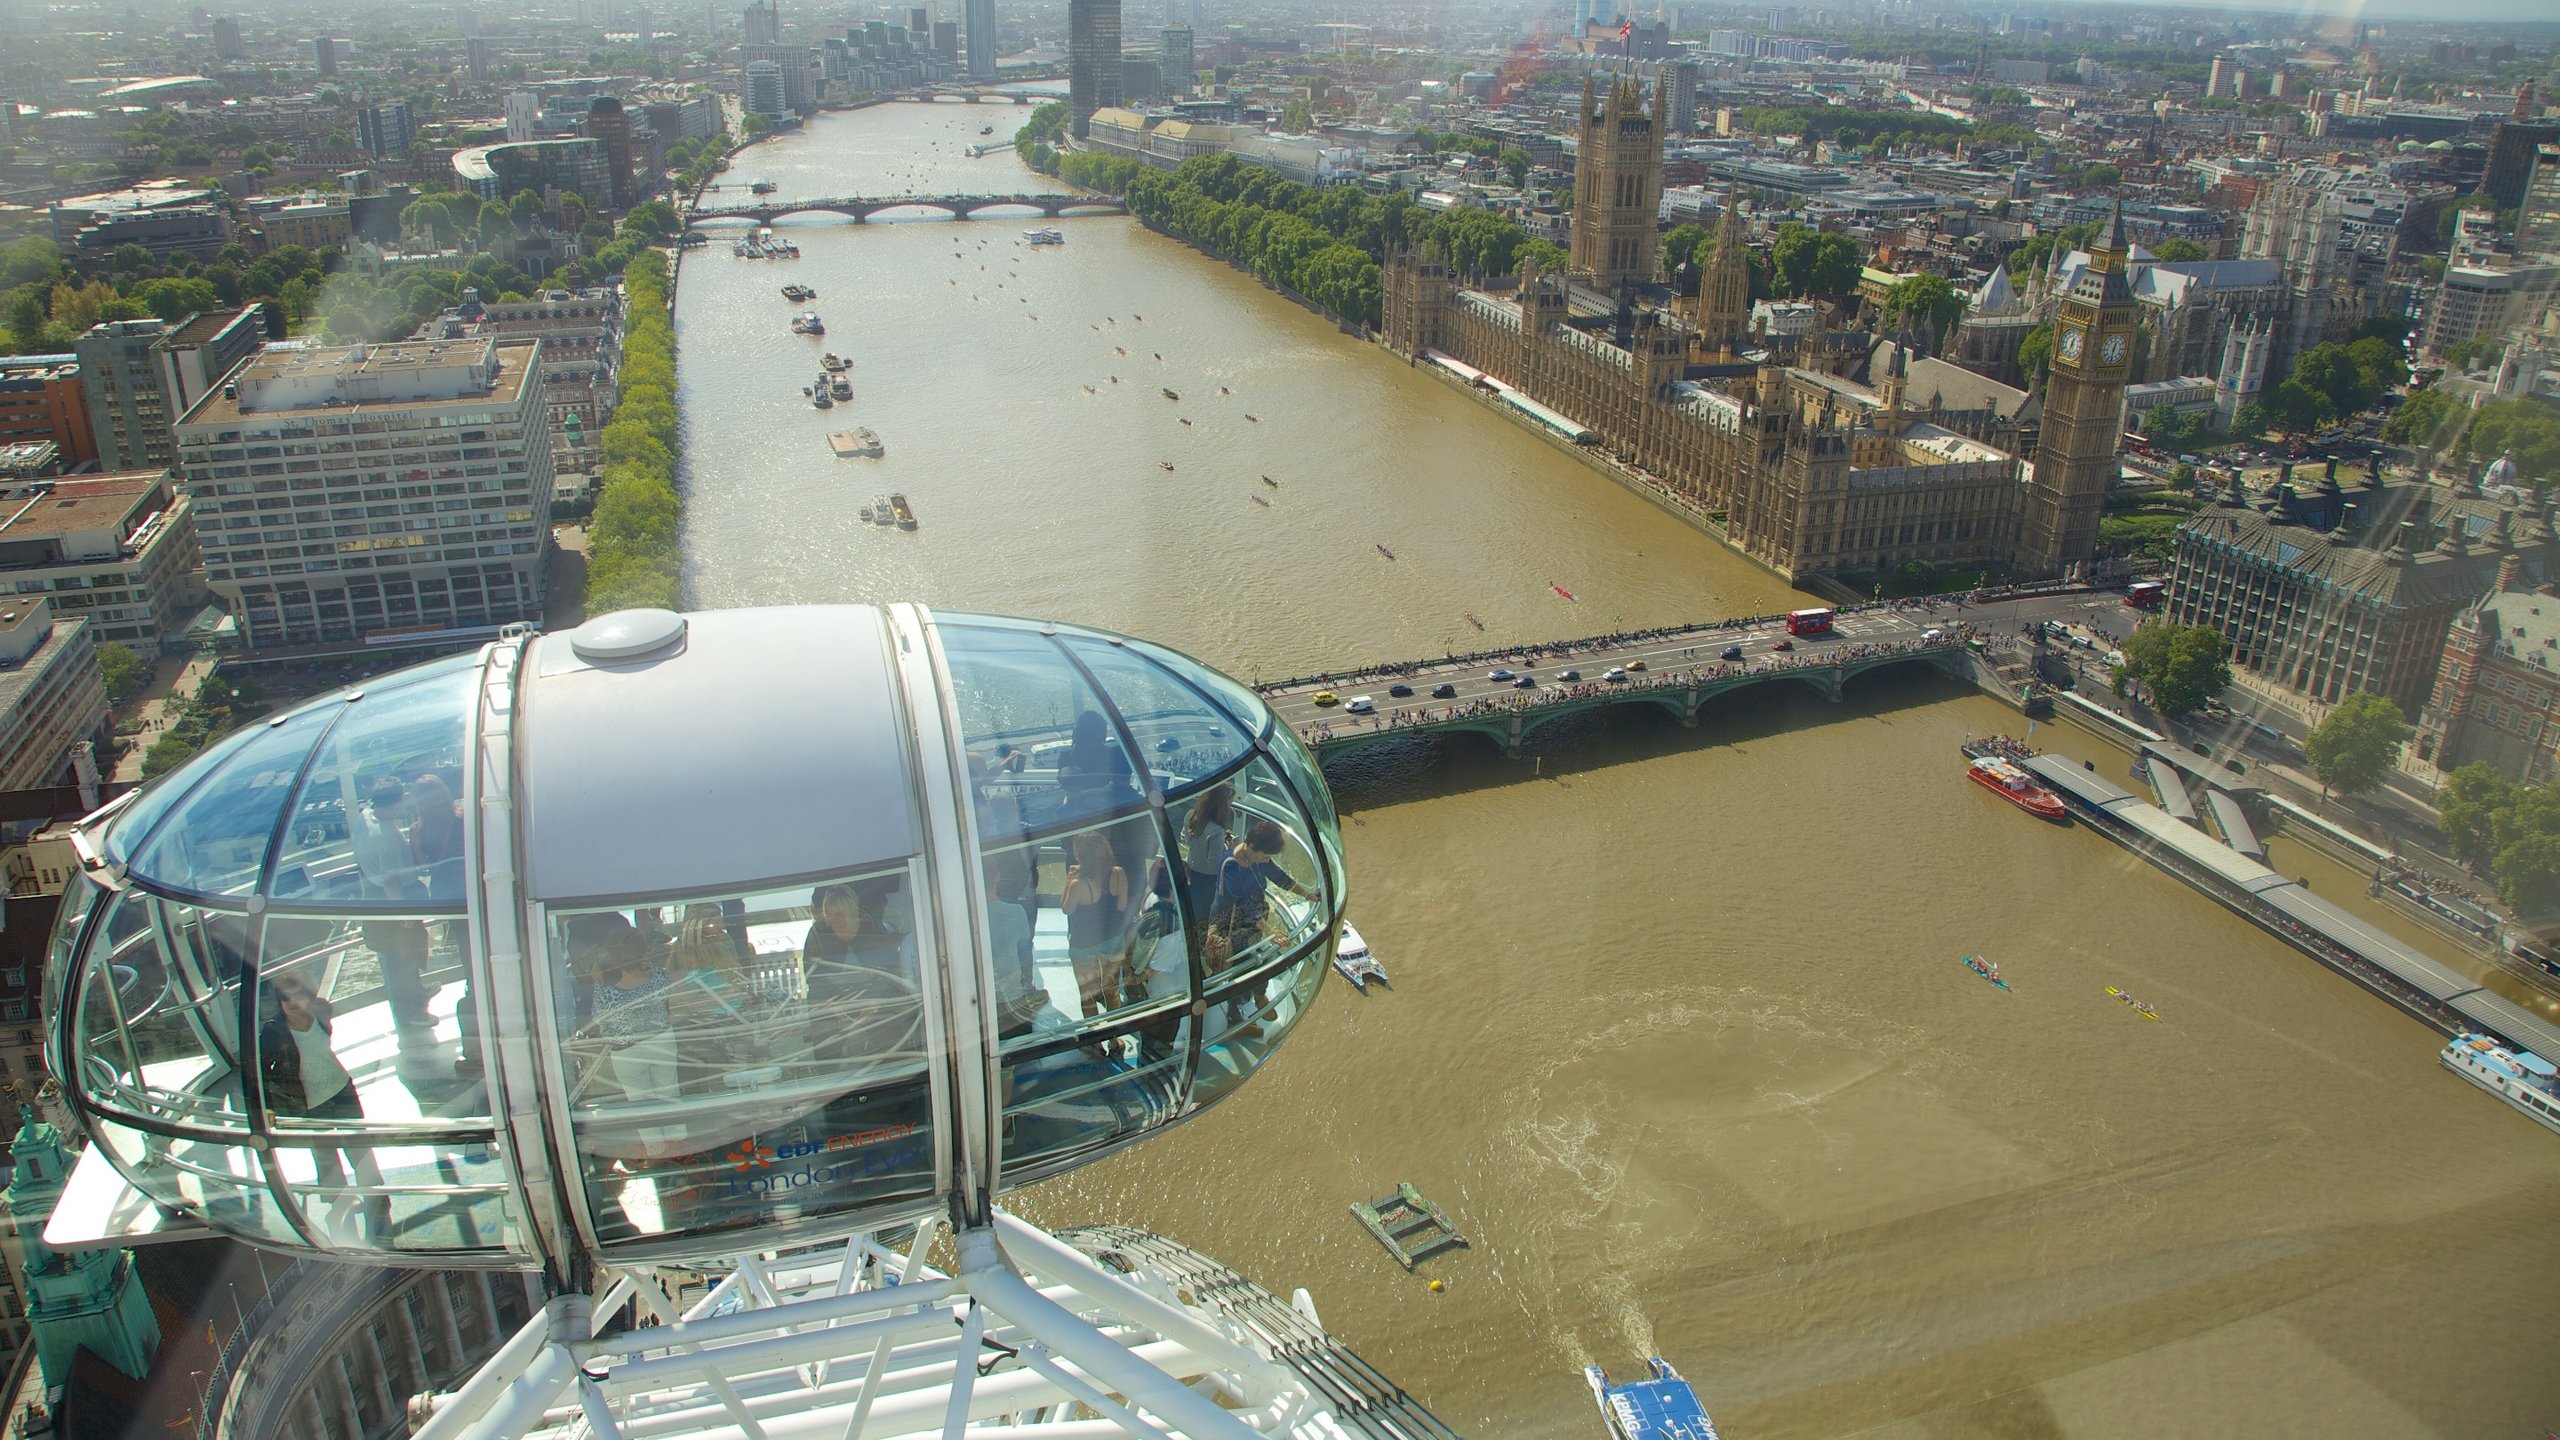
[
  {"x": 901, "y": 512},
  {"x": 2521, "y": 1078},
  {"x": 1045, "y": 236},
  {"x": 2002, "y": 777},
  {"x": 1662, "y": 1406},
  {"x": 808, "y": 323},
  {"x": 1352, "y": 960},
  {"x": 863, "y": 441}
]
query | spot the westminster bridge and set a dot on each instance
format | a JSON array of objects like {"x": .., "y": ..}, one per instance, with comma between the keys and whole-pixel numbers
[
  {"x": 959, "y": 207},
  {"x": 1675, "y": 669}
]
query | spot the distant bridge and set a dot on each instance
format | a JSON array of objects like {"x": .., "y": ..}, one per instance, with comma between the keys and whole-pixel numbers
[
  {"x": 1676, "y": 669},
  {"x": 958, "y": 207}
]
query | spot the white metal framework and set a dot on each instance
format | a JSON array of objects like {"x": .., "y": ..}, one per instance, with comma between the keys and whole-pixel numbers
[{"x": 1025, "y": 1335}]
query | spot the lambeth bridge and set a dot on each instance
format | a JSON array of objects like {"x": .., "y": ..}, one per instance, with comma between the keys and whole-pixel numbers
[
  {"x": 1676, "y": 669},
  {"x": 958, "y": 207}
]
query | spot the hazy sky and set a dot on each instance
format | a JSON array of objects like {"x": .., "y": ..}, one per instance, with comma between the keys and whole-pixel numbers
[{"x": 2327, "y": 13}]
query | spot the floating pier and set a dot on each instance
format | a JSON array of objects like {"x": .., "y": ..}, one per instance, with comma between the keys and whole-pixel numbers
[{"x": 1411, "y": 1227}]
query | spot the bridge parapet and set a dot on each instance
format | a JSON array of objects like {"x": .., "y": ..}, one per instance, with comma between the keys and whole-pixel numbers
[{"x": 860, "y": 208}]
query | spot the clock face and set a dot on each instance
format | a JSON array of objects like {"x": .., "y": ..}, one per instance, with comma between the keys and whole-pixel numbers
[
  {"x": 2071, "y": 342},
  {"x": 2112, "y": 352}
]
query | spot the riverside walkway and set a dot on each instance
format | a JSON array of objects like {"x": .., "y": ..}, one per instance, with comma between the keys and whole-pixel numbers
[{"x": 1676, "y": 669}]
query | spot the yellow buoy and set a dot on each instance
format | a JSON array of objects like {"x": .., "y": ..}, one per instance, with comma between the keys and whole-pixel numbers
[{"x": 1436, "y": 1285}]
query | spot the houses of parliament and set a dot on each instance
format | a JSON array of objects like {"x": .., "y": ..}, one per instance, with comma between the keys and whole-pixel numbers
[{"x": 1812, "y": 471}]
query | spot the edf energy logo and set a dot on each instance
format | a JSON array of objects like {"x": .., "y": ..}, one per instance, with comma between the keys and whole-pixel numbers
[{"x": 862, "y": 1155}]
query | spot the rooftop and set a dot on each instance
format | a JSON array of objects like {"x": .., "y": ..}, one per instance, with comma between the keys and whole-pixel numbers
[
  {"x": 2527, "y": 625},
  {"x": 407, "y": 375},
  {"x": 42, "y": 509}
]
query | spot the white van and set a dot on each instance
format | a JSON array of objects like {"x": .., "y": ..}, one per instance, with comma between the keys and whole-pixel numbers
[{"x": 1360, "y": 705}]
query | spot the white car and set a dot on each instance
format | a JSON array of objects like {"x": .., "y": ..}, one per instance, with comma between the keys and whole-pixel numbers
[
  {"x": 1615, "y": 675},
  {"x": 1360, "y": 705},
  {"x": 1933, "y": 636}
]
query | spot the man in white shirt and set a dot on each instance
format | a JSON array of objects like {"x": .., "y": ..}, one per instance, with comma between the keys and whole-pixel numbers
[{"x": 389, "y": 865}]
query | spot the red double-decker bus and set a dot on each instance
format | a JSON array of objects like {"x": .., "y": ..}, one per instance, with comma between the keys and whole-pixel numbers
[
  {"x": 2146, "y": 594},
  {"x": 1808, "y": 622}
]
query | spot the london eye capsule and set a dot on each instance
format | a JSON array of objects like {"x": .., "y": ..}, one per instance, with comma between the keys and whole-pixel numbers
[{"x": 675, "y": 937}]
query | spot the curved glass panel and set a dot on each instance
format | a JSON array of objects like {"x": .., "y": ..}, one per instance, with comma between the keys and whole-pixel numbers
[
  {"x": 355, "y": 977},
  {"x": 378, "y": 820},
  {"x": 156, "y": 1031},
  {"x": 1270, "y": 895},
  {"x": 80, "y": 895},
  {"x": 215, "y": 842},
  {"x": 1061, "y": 1100},
  {"x": 1085, "y": 931},
  {"x": 1243, "y": 1030},
  {"x": 1308, "y": 778},
  {"x": 224, "y": 1184},
  {"x": 1038, "y": 738},
  {"x": 1242, "y": 704},
  {"x": 1180, "y": 735},
  {"x": 746, "y": 1060}
]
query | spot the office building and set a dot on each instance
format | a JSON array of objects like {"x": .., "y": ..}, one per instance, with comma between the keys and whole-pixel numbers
[
  {"x": 1093, "y": 60},
  {"x": 2538, "y": 218},
  {"x": 2325, "y": 590},
  {"x": 495, "y": 172},
  {"x": 386, "y": 130},
  {"x": 1178, "y": 70},
  {"x": 2477, "y": 300},
  {"x": 51, "y": 698},
  {"x": 981, "y": 26},
  {"x": 764, "y": 90},
  {"x": 2513, "y": 146},
  {"x": 524, "y": 109},
  {"x": 324, "y": 55},
  {"x": 191, "y": 359},
  {"x": 348, "y": 495},
  {"x": 118, "y": 550},
  {"x": 42, "y": 401},
  {"x": 799, "y": 70},
  {"x": 762, "y": 24},
  {"x": 608, "y": 126},
  {"x": 162, "y": 216},
  {"x": 226, "y": 39},
  {"x": 476, "y": 55},
  {"x": 1682, "y": 77},
  {"x": 128, "y": 413},
  {"x": 581, "y": 335},
  {"x": 946, "y": 41}
]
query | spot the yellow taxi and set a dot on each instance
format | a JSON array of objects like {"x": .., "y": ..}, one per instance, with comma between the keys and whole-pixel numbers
[
  {"x": 1637, "y": 665},
  {"x": 1327, "y": 697}
]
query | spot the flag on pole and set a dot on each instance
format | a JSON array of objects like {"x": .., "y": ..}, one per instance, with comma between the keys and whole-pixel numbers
[{"x": 1626, "y": 29}]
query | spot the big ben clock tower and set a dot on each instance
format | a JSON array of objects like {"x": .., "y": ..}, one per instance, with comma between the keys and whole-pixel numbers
[{"x": 2078, "y": 452}]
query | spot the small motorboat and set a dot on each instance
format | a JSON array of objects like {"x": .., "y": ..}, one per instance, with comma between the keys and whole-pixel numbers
[
  {"x": 1352, "y": 960},
  {"x": 842, "y": 388},
  {"x": 1089, "y": 390},
  {"x": 880, "y": 511},
  {"x": 832, "y": 362},
  {"x": 901, "y": 512},
  {"x": 1223, "y": 390},
  {"x": 1116, "y": 350},
  {"x": 1660, "y": 1407},
  {"x": 1383, "y": 550},
  {"x": 1470, "y": 618},
  {"x": 1258, "y": 500},
  {"x": 2138, "y": 1007},
  {"x": 866, "y": 514},
  {"x": 1267, "y": 480},
  {"x": 1165, "y": 465},
  {"x": 823, "y": 400},
  {"x": 1256, "y": 419},
  {"x": 1169, "y": 395},
  {"x": 1185, "y": 419},
  {"x": 1569, "y": 595},
  {"x": 1985, "y": 969}
]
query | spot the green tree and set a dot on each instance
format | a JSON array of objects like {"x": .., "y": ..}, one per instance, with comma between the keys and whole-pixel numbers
[
  {"x": 1681, "y": 246},
  {"x": 2529, "y": 875},
  {"x": 2299, "y": 408},
  {"x": 1815, "y": 264},
  {"x": 122, "y": 670},
  {"x": 1297, "y": 118},
  {"x": 2179, "y": 666},
  {"x": 2357, "y": 744},
  {"x": 2101, "y": 177},
  {"x": 35, "y": 260},
  {"x": 166, "y": 753},
  {"x": 2035, "y": 353},
  {"x": 2178, "y": 250},
  {"x": 1926, "y": 298},
  {"x": 1516, "y": 164},
  {"x": 2467, "y": 811}
]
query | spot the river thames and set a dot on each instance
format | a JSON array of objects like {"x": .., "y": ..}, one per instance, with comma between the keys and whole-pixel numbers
[{"x": 1680, "y": 1034}]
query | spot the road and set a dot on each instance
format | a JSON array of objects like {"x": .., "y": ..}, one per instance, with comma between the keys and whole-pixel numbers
[{"x": 2101, "y": 614}]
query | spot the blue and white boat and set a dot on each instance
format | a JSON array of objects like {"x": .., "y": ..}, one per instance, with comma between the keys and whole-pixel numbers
[
  {"x": 1662, "y": 1407},
  {"x": 2521, "y": 1078}
]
